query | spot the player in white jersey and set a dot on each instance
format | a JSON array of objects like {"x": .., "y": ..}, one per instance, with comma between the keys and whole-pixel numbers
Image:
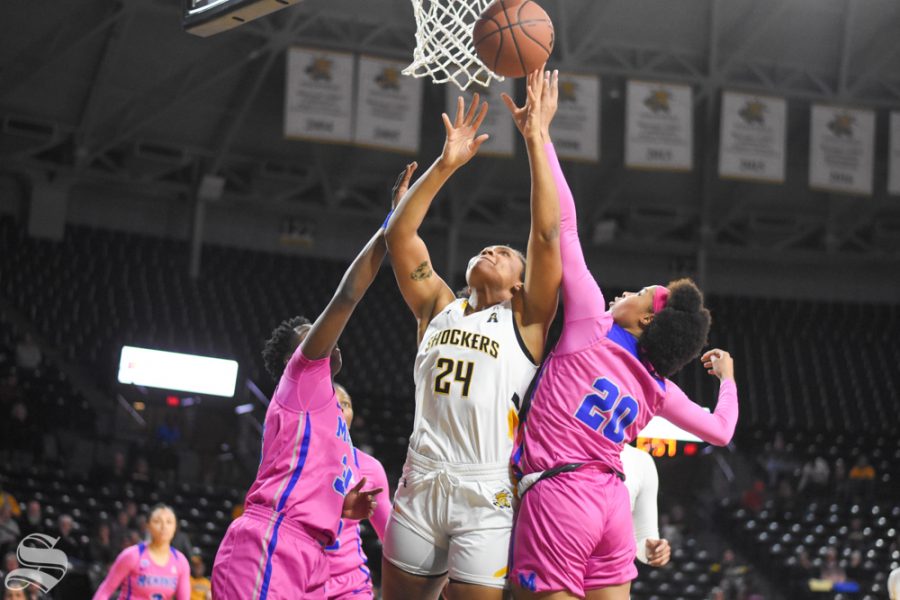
[
  {"x": 893, "y": 585},
  {"x": 452, "y": 513},
  {"x": 642, "y": 481}
]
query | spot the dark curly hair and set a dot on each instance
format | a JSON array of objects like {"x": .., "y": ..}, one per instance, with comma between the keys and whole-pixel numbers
[
  {"x": 678, "y": 332},
  {"x": 283, "y": 341}
]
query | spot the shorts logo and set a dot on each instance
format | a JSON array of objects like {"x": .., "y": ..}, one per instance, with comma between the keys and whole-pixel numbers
[
  {"x": 528, "y": 583},
  {"x": 502, "y": 499}
]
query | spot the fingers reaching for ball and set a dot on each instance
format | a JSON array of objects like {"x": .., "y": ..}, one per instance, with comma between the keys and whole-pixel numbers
[{"x": 463, "y": 141}]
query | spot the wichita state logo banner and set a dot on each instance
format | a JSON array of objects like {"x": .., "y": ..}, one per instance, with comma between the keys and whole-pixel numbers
[
  {"x": 894, "y": 156},
  {"x": 389, "y": 106},
  {"x": 576, "y": 127},
  {"x": 752, "y": 137},
  {"x": 841, "y": 148},
  {"x": 497, "y": 123},
  {"x": 659, "y": 128},
  {"x": 318, "y": 102}
]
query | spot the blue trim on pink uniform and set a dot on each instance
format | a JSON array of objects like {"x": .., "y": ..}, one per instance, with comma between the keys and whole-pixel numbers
[{"x": 270, "y": 550}]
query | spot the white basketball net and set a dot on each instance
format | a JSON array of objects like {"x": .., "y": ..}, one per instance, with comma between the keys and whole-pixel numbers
[{"x": 444, "y": 49}]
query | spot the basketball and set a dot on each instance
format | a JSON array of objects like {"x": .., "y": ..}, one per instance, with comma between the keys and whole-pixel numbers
[{"x": 513, "y": 37}]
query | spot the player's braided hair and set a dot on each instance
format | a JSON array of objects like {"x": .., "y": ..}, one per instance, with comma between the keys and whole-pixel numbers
[
  {"x": 283, "y": 341},
  {"x": 678, "y": 332}
]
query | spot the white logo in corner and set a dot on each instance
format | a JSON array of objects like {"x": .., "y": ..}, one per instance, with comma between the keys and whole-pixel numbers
[{"x": 42, "y": 564}]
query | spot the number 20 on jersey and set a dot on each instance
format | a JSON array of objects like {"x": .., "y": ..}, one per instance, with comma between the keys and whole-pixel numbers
[{"x": 606, "y": 412}]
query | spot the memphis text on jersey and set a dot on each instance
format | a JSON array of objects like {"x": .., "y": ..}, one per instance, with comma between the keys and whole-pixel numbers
[{"x": 465, "y": 339}]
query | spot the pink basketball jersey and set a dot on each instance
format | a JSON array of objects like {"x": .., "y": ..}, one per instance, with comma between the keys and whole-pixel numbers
[
  {"x": 138, "y": 577},
  {"x": 305, "y": 469}
]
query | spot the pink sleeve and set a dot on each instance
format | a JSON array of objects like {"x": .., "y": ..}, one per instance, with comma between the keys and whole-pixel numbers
[
  {"x": 125, "y": 563},
  {"x": 312, "y": 379},
  {"x": 379, "y": 518},
  {"x": 716, "y": 427},
  {"x": 183, "y": 591},
  {"x": 585, "y": 316}
]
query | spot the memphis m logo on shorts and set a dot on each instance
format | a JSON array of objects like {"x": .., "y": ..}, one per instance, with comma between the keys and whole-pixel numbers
[
  {"x": 528, "y": 583},
  {"x": 36, "y": 561}
]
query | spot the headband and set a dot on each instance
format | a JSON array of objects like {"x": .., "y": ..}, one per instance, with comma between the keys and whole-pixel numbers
[{"x": 660, "y": 297}]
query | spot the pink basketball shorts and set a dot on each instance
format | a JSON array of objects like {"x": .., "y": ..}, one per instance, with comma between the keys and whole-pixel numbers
[{"x": 574, "y": 532}]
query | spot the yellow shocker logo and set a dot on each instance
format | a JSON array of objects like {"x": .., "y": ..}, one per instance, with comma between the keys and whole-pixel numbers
[
  {"x": 658, "y": 101},
  {"x": 320, "y": 69},
  {"x": 503, "y": 499}
]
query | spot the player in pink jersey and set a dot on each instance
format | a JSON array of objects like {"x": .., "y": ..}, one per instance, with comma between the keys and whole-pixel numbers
[
  {"x": 305, "y": 483},
  {"x": 599, "y": 386},
  {"x": 452, "y": 513},
  {"x": 350, "y": 576},
  {"x": 150, "y": 571}
]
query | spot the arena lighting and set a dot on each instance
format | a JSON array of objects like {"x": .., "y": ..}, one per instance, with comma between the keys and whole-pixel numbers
[
  {"x": 177, "y": 372},
  {"x": 209, "y": 17}
]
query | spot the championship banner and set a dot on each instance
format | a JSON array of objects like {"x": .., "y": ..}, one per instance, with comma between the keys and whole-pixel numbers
[
  {"x": 318, "y": 97},
  {"x": 576, "y": 126},
  {"x": 841, "y": 149},
  {"x": 389, "y": 106},
  {"x": 894, "y": 156},
  {"x": 498, "y": 123},
  {"x": 659, "y": 126},
  {"x": 753, "y": 137}
]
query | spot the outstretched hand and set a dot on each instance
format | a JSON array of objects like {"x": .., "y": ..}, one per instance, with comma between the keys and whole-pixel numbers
[
  {"x": 719, "y": 363},
  {"x": 533, "y": 119},
  {"x": 402, "y": 183},
  {"x": 360, "y": 505},
  {"x": 463, "y": 141}
]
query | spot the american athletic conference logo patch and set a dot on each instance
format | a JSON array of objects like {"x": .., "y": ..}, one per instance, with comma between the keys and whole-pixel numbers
[{"x": 42, "y": 564}]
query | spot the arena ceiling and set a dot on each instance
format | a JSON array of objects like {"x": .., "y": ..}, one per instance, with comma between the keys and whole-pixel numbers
[{"x": 115, "y": 93}]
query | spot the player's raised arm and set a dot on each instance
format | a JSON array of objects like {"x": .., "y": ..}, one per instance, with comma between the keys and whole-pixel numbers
[
  {"x": 324, "y": 333},
  {"x": 424, "y": 291},
  {"x": 717, "y": 427},
  {"x": 543, "y": 267}
]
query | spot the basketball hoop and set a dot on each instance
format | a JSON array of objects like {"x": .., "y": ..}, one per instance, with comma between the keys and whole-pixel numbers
[{"x": 444, "y": 50}]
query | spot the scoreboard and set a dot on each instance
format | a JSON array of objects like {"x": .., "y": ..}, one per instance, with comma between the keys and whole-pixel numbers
[
  {"x": 661, "y": 438},
  {"x": 209, "y": 17}
]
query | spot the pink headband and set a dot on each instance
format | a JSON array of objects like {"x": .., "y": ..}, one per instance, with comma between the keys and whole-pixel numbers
[{"x": 660, "y": 297}]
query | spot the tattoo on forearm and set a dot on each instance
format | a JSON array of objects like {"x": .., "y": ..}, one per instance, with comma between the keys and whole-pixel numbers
[{"x": 422, "y": 272}]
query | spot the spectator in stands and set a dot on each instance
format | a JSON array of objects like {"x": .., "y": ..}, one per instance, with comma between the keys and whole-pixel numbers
[
  {"x": 141, "y": 470},
  {"x": 730, "y": 573},
  {"x": 182, "y": 542},
  {"x": 855, "y": 571},
  {"x": 814, "y": 477},
  {"x": 7, "y": 499},
  {"x": 839, "y": 483},
  {"x": 776, "y": 459},
  {"x": 10, "y": 594},
  {"x": 855, "y": 535},
  {"x": 120, "y": 530},
  {"x": 117, "y": 472},
  {"x": 68, "y": 542},
  {"x": 33, "y": 521},
  {"x": 10, "y": 563},
  {"x": 831, "y": 568},
  {"x": 9, "y": 529},
  {"x": 862, "y": 477},
  {"x": 201, "y": 588},
  {"x": 804, "y": 564},
  {"x": 28, "y": 354},
  {"x": 140, "y": 525},
  {"x": 131, "y": 509},
  {"x": 669, "y": 531},
  {"x": 754, "y": 498},
  {"x": 717, "y": 593},
  {"x": 101, "y": 550},
  {"x": 21, "y": 436},
  {"x": 785, "y": 496}
]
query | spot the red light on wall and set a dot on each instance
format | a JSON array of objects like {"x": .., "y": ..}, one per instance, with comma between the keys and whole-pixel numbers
[
  {"x": 690, "y": 449},
  {"x": 173, "y": 400}
]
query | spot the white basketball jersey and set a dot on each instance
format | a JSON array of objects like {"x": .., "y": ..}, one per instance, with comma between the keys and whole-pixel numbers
[{"x": 471, "y": 373}]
